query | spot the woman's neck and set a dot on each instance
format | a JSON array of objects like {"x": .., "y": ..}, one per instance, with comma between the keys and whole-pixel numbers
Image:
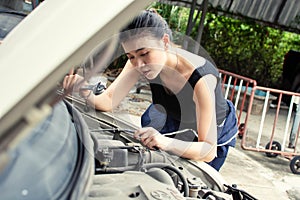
[{"x": 175, "y": 76}]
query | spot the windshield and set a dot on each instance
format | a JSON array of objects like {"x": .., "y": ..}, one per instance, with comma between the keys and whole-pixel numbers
[
  {"x": 12, "y": 12},
  {"x": 16, "y": 6}
]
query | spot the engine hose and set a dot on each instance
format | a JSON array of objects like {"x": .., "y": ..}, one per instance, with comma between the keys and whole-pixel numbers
[
  {"x": 115, "y": 169},
  {"x": 174, "y": 169}
]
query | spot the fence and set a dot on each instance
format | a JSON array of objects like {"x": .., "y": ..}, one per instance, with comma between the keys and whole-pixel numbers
[{"x": 264, "y": 119}]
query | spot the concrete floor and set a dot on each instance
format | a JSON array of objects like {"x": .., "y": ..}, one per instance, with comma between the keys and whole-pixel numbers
[{"x": 261, "y": 176}]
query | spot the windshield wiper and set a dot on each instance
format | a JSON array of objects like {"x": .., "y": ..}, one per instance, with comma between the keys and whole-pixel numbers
[{"x": 13, "y": 12}]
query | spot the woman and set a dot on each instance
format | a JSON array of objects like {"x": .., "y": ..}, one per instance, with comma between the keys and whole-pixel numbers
[{"x": 186, "y": 93}]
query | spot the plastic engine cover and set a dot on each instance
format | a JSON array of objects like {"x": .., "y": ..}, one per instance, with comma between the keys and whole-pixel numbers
[{"x": 131, "y": 185}]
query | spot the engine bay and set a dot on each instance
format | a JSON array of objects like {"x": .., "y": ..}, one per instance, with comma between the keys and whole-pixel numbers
[{"x": 125, "y": 169}]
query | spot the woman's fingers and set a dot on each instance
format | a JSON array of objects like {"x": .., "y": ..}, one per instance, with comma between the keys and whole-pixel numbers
[
  {"x": 71, "y": 72},
  {"x": 72, "y": 82},
  {"x": 68, "y": 78},
  {"x": 148, "y": 137},
  {"x": 68, "y": 81},
  {"x": 143, "y": 133}
]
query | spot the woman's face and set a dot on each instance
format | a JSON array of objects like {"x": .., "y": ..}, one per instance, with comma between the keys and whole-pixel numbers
[{"x": 147, "y": 55}]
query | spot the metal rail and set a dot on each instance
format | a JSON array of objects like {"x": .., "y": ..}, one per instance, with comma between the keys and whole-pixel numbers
[{"x": 242, "y": 92}]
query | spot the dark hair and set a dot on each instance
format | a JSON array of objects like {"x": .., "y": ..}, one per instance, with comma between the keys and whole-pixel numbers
[{"x": 147, "y": 21}]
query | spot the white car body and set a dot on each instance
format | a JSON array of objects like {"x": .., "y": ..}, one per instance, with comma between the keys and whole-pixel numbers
[{"x": 48, "y": 42}]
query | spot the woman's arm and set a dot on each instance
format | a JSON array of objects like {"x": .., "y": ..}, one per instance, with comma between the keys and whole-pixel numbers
[
  {"x": 114, "y": 94},
  {"x": 117, "y": 91},
  {"x": 204, "y": 98},
  {"x": 205, "y": 148}
]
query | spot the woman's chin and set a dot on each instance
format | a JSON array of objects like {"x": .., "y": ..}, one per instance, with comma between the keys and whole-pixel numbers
[{"x": 150, "y": 76}]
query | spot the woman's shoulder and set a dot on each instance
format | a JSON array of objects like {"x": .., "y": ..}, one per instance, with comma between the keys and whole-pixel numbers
[
  {"x": 192, "y": 58},
  {"x": 200, "y": 64}
]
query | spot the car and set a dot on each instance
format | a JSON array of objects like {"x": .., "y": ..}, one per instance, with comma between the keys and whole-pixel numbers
[{"x": 53, "y": 145}]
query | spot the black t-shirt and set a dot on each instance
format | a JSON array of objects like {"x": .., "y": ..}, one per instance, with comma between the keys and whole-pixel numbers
[{"x": 181, "y": 105}]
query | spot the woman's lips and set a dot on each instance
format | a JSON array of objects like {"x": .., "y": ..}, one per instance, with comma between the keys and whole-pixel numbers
[{"x": 145, "y": 72}]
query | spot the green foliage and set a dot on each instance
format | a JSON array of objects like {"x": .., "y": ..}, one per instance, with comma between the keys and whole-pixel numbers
[
  {"x": 240, "y": 46},
  {"x": 176, "y": 17},
  {"x": 247, "y": 48}
]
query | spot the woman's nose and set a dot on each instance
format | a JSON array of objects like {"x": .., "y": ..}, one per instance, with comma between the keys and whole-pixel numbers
[{"x": 140, "y": 63}]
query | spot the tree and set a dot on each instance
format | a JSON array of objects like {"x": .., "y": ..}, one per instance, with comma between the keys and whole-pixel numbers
[{"x": 240, "y": 46}]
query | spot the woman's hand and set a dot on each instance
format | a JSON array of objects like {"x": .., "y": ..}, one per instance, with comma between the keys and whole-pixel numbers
[
  {"x": 201, "y": 151},
  {"x": 152, "y": 139},
  {"x": 72, "y": 83}
]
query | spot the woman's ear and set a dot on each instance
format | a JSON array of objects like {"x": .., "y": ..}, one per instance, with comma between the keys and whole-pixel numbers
[{"x": 166, "y": 41}]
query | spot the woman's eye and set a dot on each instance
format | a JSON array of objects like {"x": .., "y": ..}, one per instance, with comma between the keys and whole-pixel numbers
[{"x": 144, "y": 54}]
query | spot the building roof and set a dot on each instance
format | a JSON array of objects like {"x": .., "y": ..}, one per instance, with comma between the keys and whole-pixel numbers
[{"x": 280, "y": 14}]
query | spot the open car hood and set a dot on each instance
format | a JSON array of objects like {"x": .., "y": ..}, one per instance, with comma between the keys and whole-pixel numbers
[{"x": 56, "y": 36}]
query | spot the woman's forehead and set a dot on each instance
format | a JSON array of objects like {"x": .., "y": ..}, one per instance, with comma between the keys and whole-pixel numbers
[{"x": 137, "y": 43}]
